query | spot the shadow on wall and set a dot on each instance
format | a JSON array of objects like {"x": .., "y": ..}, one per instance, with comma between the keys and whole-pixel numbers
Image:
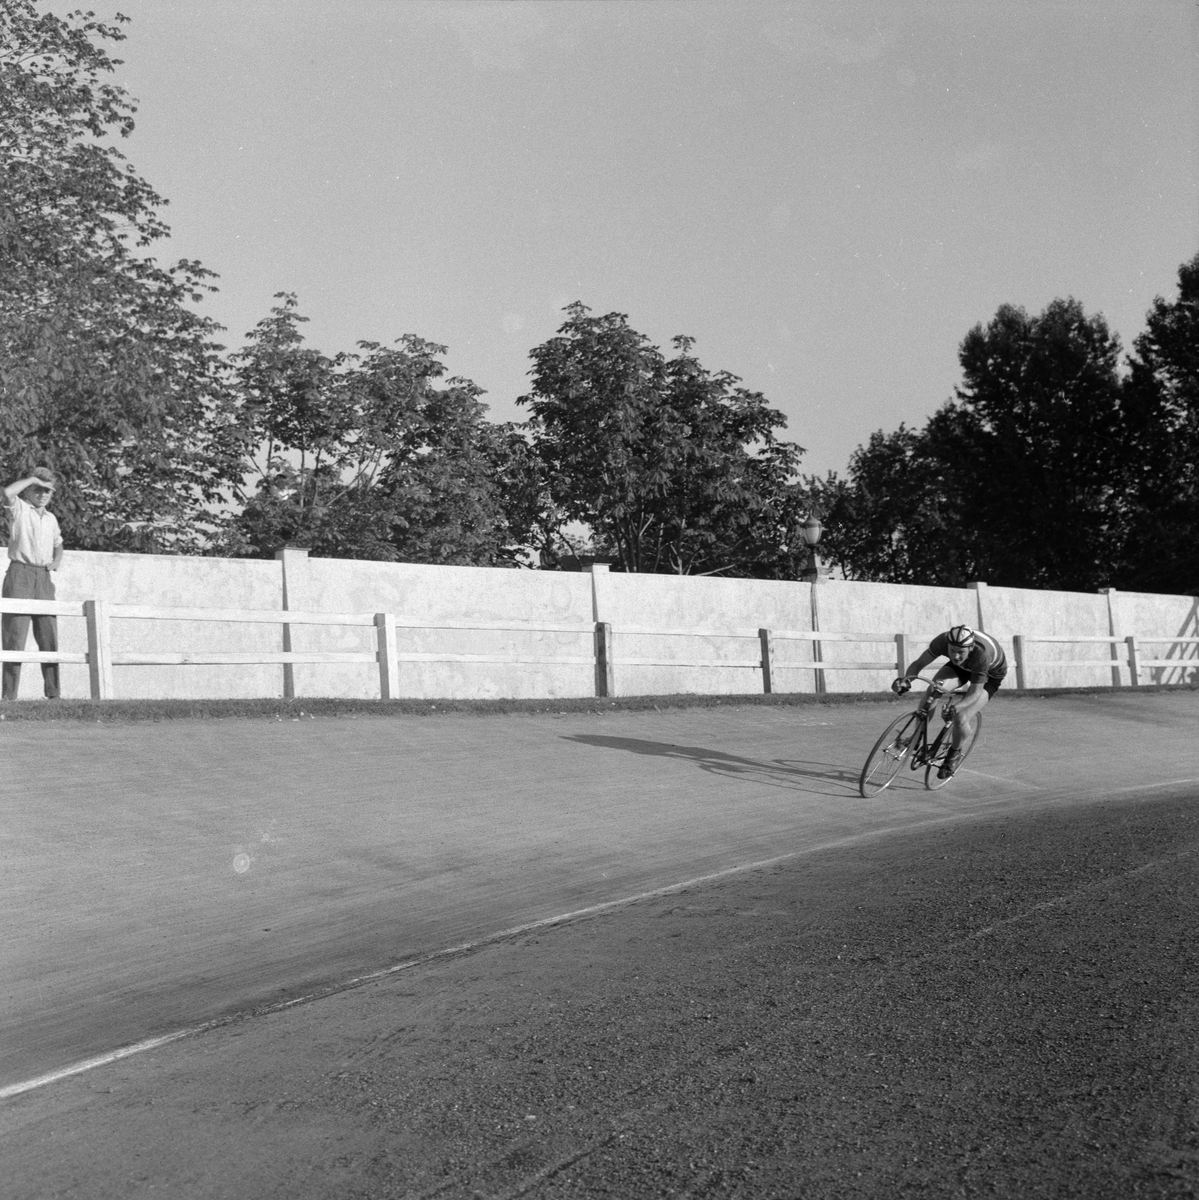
[
  {"x": 826, "y": 779},
  {"x": 1183, "y": 674}
]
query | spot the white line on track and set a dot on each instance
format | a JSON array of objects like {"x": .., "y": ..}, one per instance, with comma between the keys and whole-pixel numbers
[
  {"x": 1145, "y": 787},
  {"x": 101, "y": 1060}
]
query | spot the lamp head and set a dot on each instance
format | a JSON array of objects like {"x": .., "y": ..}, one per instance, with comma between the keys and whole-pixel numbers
[{"x": 811, "y": 530}]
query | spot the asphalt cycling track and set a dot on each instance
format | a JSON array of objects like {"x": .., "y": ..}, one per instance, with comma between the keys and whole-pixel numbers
[{"x": 166, "y": 886}]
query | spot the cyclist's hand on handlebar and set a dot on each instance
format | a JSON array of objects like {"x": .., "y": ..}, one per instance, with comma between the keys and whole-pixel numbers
[
  {"x": 901, "y": 685},
  {"x": 949, "y": 711}
]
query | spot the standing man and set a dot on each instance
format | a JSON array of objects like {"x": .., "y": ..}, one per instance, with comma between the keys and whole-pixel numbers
[{"x": 34, "y": 550}]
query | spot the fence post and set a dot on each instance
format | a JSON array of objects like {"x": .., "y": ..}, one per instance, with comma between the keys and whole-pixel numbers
[
  {"x": 1134, "y": 660},
  {"x": 605, "y": 682},
  {"x": 902, "y": 654},
  {"x": 767, "y": 643},
  {"x": 99, "y": 648},
  {"x": 1018, "y": 655},
  {"x": 389, "y": 665},
  {"x": 1113, "y": 630},
  {"x": 289, "y": 670},
  {"x": 293, "y": 563}
]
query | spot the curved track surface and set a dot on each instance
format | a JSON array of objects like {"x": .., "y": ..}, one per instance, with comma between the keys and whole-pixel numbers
[{"x": 160, "y": 877}]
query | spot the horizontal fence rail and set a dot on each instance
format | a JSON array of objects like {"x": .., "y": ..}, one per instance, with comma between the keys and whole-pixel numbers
[
  {"x": 1133, "y": 659},
  {"x": 386, "y": 656}
]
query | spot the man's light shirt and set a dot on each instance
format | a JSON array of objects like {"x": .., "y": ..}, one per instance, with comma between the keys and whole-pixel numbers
[{"x": 33, "y": 533}]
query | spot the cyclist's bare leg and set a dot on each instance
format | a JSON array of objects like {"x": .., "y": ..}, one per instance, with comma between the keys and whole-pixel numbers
[
  {"x": 965, "y": 717},
  {"x": 966, "y": 709}
]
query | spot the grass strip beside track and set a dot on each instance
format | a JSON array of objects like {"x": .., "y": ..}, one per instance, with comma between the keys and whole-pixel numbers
[{"x": 279, "y": 709}]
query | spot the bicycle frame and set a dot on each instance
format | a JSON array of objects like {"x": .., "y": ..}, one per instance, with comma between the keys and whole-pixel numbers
[{"x": 907, "y": 739}]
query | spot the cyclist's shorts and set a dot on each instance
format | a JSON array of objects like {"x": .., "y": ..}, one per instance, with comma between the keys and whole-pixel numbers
[{"x": 990, "y": 687}]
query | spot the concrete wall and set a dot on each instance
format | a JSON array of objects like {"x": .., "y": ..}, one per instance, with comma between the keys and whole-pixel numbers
[
  {"x": 681, "y": 603},
  {"x": 659, "y": 618},
  {"x": 455, "y": 593},
  {"x": 173, "y": 581},
  {"x": 1147, "y": 615},
  {"x": 1052, "y": 614}
]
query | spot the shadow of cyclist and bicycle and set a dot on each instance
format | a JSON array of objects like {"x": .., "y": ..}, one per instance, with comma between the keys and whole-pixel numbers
[{"x": 822, "y": 778}]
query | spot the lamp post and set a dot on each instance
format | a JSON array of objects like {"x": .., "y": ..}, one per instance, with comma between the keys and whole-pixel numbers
[{"x": 815, "y": 571}]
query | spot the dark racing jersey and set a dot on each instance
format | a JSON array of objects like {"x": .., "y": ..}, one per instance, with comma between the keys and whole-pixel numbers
[{"x": 986, "y": 659}]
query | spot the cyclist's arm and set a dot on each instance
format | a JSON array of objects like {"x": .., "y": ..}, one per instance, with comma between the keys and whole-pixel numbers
[
  {"x": 914, "y": 668},
  {"x": 904, "y": 682}
]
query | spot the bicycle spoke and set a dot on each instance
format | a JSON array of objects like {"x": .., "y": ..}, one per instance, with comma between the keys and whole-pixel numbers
[{"x": 889, "y": 753}]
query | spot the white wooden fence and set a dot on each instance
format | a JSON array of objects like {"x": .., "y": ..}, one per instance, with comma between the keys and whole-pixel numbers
[
  {"x": 103, "y": 655},
  {"x": 1132, "y": 648}
]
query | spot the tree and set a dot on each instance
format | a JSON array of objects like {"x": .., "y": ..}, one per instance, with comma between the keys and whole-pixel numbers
[
  {"x": 1162, "y": 405},
  {"x": 362, "y": 456},
  {"x": 1037, "y": 440},
  {"x": 672, "y": 467},
  {"x": 106, "y": 372},
  {"x": 896, "y": 518},
  {"x": 1019, "y": 480}
]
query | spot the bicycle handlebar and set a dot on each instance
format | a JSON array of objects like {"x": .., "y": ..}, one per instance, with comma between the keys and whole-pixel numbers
[{"x": 937, "y": 684}]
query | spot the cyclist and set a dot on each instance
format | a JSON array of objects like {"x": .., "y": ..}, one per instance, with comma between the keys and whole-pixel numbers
[{"x": 976, "y": 659}]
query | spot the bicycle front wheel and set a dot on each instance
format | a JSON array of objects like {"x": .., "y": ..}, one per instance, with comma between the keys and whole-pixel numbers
[
  {"x": 884, "y": 761},
  {"x": 931, "y": 778}
]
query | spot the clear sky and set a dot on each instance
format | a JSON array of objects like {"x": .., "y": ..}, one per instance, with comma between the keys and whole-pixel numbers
[{"x": 826, "y": 195}]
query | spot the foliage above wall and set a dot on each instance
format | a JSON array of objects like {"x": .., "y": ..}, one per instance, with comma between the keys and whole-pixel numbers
[
  {"x": 364, "y": 455},
  {"x": 106, "y": 371},
  {"x": 1056, "y": 463},
  {"x": 672, "y": 467},
  {"x": 1049, "y": 467}
]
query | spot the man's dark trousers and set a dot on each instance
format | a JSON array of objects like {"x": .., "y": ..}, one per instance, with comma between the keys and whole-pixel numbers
[{"x": 25, "y": 582}]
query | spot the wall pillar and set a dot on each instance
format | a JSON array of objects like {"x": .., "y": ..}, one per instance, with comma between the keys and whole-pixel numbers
[
  {"x": 1021, "y": 662},
  {"x": 296, "y": 595},
  {"x": 599, "y": 575},
  {"x": 980, "y": 618},
  {"x": 1113, "y": 630}
]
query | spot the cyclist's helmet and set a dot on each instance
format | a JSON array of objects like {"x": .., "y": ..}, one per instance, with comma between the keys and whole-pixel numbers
[{"x": 961, "y": 636}]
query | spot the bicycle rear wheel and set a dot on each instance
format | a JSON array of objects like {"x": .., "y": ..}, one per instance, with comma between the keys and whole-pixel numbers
[
  {"x": 884, "y": 761},
  {"x": 941, "y": 750}
]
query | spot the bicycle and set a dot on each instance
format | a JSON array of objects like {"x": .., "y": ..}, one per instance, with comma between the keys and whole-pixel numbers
[{"x": 907, "y": 739}]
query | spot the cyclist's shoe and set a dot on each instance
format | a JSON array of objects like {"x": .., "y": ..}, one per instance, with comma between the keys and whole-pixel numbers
[{"x": 949, "y": 767}]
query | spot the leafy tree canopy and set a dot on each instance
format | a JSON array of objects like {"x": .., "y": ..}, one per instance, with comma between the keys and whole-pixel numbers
[
  {"x": 896, "y": 518},
  {"x": 672, "y": 467},
  {"x": 363, "y": 455},
  {"x": 1162, "y": 406},
  {"x": 106, "y": 373},
  {"x": 1017, "y": 480}
]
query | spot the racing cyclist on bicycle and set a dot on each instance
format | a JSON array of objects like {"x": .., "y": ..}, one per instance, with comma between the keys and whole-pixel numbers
[{"x": 975, "y": 658}]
